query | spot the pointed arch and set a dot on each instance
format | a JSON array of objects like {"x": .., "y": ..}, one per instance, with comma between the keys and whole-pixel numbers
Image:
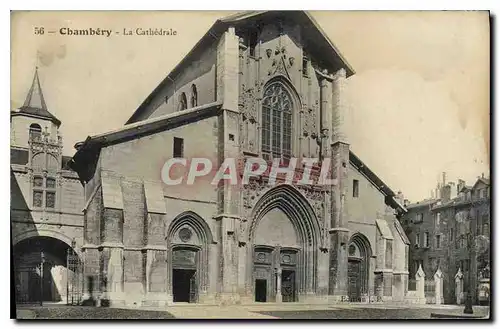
[
  {"x": 182, "y": 102},
  {"x": 303, "y": 218},
  {"x": 362, "y": 243},
  {"x": 194, "y": 96},
  {"x": 359, "y": 253},
  {"x": 194, "y": 221},
  {"x": 286, "y": 198}
]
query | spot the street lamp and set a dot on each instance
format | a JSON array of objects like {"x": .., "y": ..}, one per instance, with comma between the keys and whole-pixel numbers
[{"x": 468, "y": 300}]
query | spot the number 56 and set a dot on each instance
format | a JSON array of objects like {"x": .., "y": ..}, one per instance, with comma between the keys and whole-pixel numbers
[{"x": 39, "y": 31}]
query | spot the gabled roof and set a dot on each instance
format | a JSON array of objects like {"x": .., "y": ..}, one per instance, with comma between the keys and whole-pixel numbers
[
  {"x": 315, "y": 41},
  {"x": 34, "y": 104},
  {"x": 428, "y": 202},
  {"x": 483, "y": 180}
]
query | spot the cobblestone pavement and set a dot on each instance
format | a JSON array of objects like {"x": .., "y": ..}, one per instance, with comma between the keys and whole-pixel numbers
[
  {"x": 88, "y": 312},
  {"x": 254, "y": 311}
]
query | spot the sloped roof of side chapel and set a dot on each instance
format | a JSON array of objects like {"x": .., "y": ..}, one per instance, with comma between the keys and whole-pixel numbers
[
  {"x": 34, "y": 104},
  {"x": 314, "y": 39}
]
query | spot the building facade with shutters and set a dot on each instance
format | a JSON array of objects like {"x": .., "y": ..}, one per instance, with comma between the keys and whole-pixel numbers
[
  {"x": 451, "y": 231},
  {"x": 46, "y": 202},
  {"x": 268, "y": 85}
]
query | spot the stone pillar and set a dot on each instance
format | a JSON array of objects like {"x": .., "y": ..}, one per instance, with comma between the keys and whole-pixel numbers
[
  {"x": 279, "y": 298},
  {"x": 90, "y": 253},
  {"x": 228, "y": 140},
  {"x": 154, "y": 250},
  {"x": 111, "y": 247},
  {"x": 438, "y": 281},
  {"x": 459, "y": 287},
  {"x": 339, "y": 233},
  {"x": 420, "y": 278}
]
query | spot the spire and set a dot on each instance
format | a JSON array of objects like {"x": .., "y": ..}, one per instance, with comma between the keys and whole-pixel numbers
[
  {"x": 34, "y": 104},
  {"x": 35, "y": 96}
]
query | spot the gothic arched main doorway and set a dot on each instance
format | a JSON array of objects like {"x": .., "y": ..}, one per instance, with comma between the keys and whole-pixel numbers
[
  {"x": 359, "y": 252},
  {"x": 284, "y": 235}
]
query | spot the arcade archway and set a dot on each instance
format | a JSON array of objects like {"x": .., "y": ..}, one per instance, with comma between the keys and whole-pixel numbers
[{"x": 35, "y": 283}]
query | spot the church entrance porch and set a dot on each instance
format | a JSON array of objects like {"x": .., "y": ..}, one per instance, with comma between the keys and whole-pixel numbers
[{"x": 184, "y": 286}]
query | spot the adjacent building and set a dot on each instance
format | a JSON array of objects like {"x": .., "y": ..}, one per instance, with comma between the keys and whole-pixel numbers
[
  {"x": 451, "y": 231},
  {"x": 260, "y": 84},
  {"x": 46, "y": 202}
]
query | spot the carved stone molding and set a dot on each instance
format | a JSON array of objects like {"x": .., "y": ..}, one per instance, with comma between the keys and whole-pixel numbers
[{"x": 248, "y": 103}]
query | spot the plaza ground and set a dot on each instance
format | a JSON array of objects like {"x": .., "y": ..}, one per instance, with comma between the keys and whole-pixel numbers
[{"x": 254, "y": 311}]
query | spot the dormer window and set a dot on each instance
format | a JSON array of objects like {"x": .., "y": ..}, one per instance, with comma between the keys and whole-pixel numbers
[{"x": 35, "y": 131}]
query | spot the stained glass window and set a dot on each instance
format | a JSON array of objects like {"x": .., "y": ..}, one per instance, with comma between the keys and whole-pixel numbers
[{"x": 276, "y": 122}]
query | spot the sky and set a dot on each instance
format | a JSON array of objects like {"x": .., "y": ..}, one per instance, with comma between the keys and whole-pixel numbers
[{"x": 418, "y": 103}]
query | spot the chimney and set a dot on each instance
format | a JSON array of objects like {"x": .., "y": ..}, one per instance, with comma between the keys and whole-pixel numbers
[
  {"x": 444, "y": 178},
  {"x": 460, "y": 185},
  {"x": 453, "y": 190},
  {"x": 406, "y": 202},
  {"x": 432, "y": 194},
  {"x": 482, "y": 175},
  {"x": 400, "y": 197},
  {"x": 446, "y": 193}
]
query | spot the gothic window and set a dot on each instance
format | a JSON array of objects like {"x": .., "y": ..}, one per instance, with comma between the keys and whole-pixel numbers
[
  {"x": 194, "y": 96},
  {"x": 37, "y": 198},
  {"x": 50, "y": 199},
  {"x": 44, "y": 189},
  {"x": 35, "y": 131},
  {"x": 38, "y": 181},
  {"x": 182, "y": 102},
  {"x": 276, "y": 122},
  {"x": 51, "y": 183},
  {"x": 438, "y": 241}
]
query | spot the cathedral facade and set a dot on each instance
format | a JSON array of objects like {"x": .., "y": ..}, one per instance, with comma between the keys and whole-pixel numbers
[{"x": 268, "y": 85}]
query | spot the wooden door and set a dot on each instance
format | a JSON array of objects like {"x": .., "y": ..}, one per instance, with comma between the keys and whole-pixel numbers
[
  {"x": 288, "y": 286},
  {"x": 354, "y": 281}
]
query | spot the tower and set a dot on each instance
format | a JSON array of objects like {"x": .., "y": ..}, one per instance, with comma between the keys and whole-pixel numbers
[{"x": 35, "y": 134}]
